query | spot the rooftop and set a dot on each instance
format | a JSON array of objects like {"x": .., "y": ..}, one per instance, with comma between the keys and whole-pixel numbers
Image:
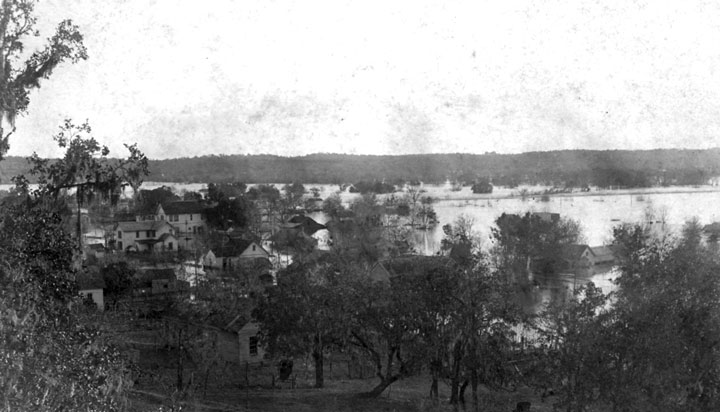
[
  {"x": 142, "y": 225},
  {"x": 183, "y": 207}
]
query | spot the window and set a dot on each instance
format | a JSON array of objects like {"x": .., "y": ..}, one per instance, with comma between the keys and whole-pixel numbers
[
  {"x": 190, "y": 216},
  {"x": 137, "y": 234},
  {"x": 148, "y": 233},
  {"x": 253, "y": 346},
  {"x": 120, "y": 246},
  {"x": 170, "y": 246},
  {"x": 119, "y": 234},
  {"x": 253, "y": 248}
]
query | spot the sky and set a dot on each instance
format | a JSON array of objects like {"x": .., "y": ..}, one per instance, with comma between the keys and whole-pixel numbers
[{"x": 185, "y": 78}]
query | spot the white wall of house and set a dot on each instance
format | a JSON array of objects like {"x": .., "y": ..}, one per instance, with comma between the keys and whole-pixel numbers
[
  {"x": 96, "y": 295},
  {"x": 249, "y": 348},
  {"x": 125, "y": 238},
  {"x": 254, "y": 251}
]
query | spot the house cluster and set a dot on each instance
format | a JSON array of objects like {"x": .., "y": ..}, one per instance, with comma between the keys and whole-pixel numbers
[
  {"x": 170, "y": 226},
  {"x": 172, "y": 248}
]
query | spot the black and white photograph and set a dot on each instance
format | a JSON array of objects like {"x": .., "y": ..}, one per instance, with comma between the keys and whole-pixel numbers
[{"x": 394, "y": 206}]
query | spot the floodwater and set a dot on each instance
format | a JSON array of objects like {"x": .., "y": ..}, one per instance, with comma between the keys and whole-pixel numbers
[
  {"x": 596, "y": 212},
  {"x": 664, "y": 209}
]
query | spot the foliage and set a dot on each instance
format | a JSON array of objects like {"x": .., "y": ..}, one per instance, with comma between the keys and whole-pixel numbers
[
  {"x": 85, "y": 168},
  {"x": 387, "y": 328},
  {"x": 217, "y": 191},
  {"x": 53, "y": 357},
  {"x": 482, "y": 186},
  {"x": 119, "y": 278},
  {"x": 192, "y": 196},
  {"x": 376, "y": 187},
  {"x": 228, "y": 213},
  {"x": 267, "y": 193},
  {"x": 293, "y": 194},
  {"x": 332, "y": 206},
  {"x": 149, "y": 199},
  {"x": 398, "y": 239},
  {"x": 575, "y": 361},
  {"x": 522, "y": 241},
  {"x": 20, "y": 74},
  {"x": 306, "y": 314},
  {"x": 654, "y": 345},
  {"x": 569, "y": 168}
]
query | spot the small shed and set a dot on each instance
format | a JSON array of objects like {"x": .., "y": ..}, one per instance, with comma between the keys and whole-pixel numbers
[
  {"x": 91, "y": 288},
  {"x": 249, "y": 348}
]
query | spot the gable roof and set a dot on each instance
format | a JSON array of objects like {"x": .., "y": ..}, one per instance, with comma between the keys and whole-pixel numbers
[
  {"x": 573, "y": 252},
  {"x": 183, "y": 207},
  {"x": 378, "y": 273},
  {"x": 141, "y": 225},
  {"x": 309, "y": 225},
  {"x": 234, "y": 247},
  {"x": 166, "y": 236}
]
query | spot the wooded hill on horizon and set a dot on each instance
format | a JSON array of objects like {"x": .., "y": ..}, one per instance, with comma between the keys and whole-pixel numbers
[{"x": 571, "y": 168}]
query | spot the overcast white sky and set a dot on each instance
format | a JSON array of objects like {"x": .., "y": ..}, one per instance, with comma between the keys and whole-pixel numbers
[{"x": 188, "y": 78}]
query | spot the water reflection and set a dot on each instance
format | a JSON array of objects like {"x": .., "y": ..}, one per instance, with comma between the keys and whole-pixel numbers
[{"x": 558, "y": 288}]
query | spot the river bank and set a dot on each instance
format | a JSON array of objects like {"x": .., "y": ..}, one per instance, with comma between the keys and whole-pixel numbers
[{"x": 503, "y": 195}]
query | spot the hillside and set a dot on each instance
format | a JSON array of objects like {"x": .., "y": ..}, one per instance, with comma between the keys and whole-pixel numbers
[
  {"x": 569, "y": 167},
  {"x": 572, "y": 167}
]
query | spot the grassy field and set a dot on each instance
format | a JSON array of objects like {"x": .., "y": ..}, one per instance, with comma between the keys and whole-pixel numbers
[{"x": 240, "y": 388}]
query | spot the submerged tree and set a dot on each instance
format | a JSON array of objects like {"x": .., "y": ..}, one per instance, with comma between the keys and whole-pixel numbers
[
  {"x": 522, "y": 241},
  {"x": 19, "y": 76}
]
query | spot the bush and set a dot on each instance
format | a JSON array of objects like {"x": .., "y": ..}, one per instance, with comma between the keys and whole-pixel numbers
[{"x": 482, "y": 186}]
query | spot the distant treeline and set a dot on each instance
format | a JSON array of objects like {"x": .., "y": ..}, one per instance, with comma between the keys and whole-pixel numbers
[{"x": 569, "y": 168}]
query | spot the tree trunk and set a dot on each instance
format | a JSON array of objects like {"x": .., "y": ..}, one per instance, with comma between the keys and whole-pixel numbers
[
  {"x": 380, "y": 388},
  {"x": 474, "y": 388},
  {"x": 79, "y": 226},
  {"x": 435, "y": 372},
  {"x": 455, "y": 379},
  {"x": 463, "y": 387},
  {"x": 319, "y": 378},
  {"x": 180, "y": 362}
]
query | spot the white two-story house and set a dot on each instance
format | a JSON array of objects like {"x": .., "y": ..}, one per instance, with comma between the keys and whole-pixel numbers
[
  {"x": 186, "y": 218},
  {"x": 148, "y": 235}
]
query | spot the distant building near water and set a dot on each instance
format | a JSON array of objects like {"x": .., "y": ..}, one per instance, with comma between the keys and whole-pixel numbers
[
  {"x": 547, "y": 216},
  {"x": 583, "y": 256}
]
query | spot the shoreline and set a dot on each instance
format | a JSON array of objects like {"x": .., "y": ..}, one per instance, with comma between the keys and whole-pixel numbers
[{"x": 603, "y": 193}]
